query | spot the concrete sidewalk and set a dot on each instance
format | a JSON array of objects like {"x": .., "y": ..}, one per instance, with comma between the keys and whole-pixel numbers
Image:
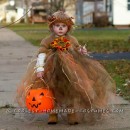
[{"x": 15, "y": 54}]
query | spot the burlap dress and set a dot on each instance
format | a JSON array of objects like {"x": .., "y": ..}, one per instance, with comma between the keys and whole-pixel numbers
[{"x": 77, "y": 81}]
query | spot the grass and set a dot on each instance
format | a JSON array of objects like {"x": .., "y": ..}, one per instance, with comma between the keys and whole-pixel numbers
[
  {"x": 105, "y": 40},
  {"x": 25, "y": 27},
  {"x": 97, "y": 41},
  {"x": 120, "y": 72}
]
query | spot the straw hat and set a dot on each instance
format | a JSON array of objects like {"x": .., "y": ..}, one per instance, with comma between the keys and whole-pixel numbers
[{"x": 60, "y": 16}]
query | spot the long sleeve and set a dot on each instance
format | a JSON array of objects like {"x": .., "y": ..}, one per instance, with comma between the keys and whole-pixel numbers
[
  {"x": 40, "y": 62},
  {"x": 75, "y": 42},
  {"x": 44, "y": 46},
  {"x": 42, "y": 54}
]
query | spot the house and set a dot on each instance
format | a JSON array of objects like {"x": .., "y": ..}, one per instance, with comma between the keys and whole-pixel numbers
[
  {"x": 70, "y": 8},
  {"x": 118, "y": 12},
  {"x": 2, "y": 11},
  {"x": 14, "y": 10},
  {"x": 39, "y": 11},
  {"x": 35, "y": 10},
  {"x": 88, "y": 10}
]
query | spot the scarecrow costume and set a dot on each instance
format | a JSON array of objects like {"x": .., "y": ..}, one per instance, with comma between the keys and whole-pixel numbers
[{"x": 76, "y": 80}]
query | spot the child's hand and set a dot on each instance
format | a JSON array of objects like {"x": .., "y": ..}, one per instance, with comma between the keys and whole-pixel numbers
[
  {"x": 40, "y": 74},
  {"x": 83, "y": 51}
]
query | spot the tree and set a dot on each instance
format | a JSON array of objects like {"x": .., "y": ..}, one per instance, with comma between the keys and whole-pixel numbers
[
  {"x": 2, "y": 1},
  {"x": 56, "y": 5},
  {"x": 26, "y": 10}
]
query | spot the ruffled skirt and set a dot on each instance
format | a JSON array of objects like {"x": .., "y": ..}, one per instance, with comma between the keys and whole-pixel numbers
[{"x": 77, "y": 81}]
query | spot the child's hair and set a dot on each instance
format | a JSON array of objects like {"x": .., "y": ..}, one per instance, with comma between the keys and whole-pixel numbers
[{"x": 60, "y": 16}]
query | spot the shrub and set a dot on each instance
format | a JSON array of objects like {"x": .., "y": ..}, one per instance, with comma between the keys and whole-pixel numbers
[{"x": 100, "y": 19}]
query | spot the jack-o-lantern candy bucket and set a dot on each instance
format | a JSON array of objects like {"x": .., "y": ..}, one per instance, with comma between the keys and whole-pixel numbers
[{"x": 39, "y": 100}]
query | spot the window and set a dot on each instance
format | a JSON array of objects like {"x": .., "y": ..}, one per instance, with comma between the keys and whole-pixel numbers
[
  {"x": 109, "y": 6},
  {"x": 128, "y": 4}
]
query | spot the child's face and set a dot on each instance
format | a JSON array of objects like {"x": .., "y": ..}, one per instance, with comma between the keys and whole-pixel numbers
[{"x": 60, "y": 29}]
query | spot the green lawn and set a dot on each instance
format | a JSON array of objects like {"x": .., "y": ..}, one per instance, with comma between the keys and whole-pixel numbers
[
  {"x": 26, "y": 27},
  {"x": 120, "y": 72},
  {"x": 97, "y": 41}
]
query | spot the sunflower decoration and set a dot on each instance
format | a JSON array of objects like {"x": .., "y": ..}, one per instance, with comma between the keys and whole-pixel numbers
[{"x": 60, "y": 43}]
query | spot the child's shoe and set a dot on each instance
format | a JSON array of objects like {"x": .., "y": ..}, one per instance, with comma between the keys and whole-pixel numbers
[
  {"x": 53, "y": 119},
  {"x": 72, "y": 119}
]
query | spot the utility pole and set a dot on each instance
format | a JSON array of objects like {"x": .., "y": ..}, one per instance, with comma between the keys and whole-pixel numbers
[
  {"x": 105, "y": 3},
  {"x": 79, "y": 11},
  {"x": 95, "y": 6},
  {"x": 26, "y": 10}
]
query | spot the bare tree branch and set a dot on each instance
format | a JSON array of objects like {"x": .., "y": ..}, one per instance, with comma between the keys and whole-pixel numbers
[
  {"x": 69, "y": 3},
  {"x": 57, "y": 5}
]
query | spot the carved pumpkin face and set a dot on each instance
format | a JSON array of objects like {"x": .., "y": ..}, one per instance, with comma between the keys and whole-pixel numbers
[{"x": 39, "y": 100}]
